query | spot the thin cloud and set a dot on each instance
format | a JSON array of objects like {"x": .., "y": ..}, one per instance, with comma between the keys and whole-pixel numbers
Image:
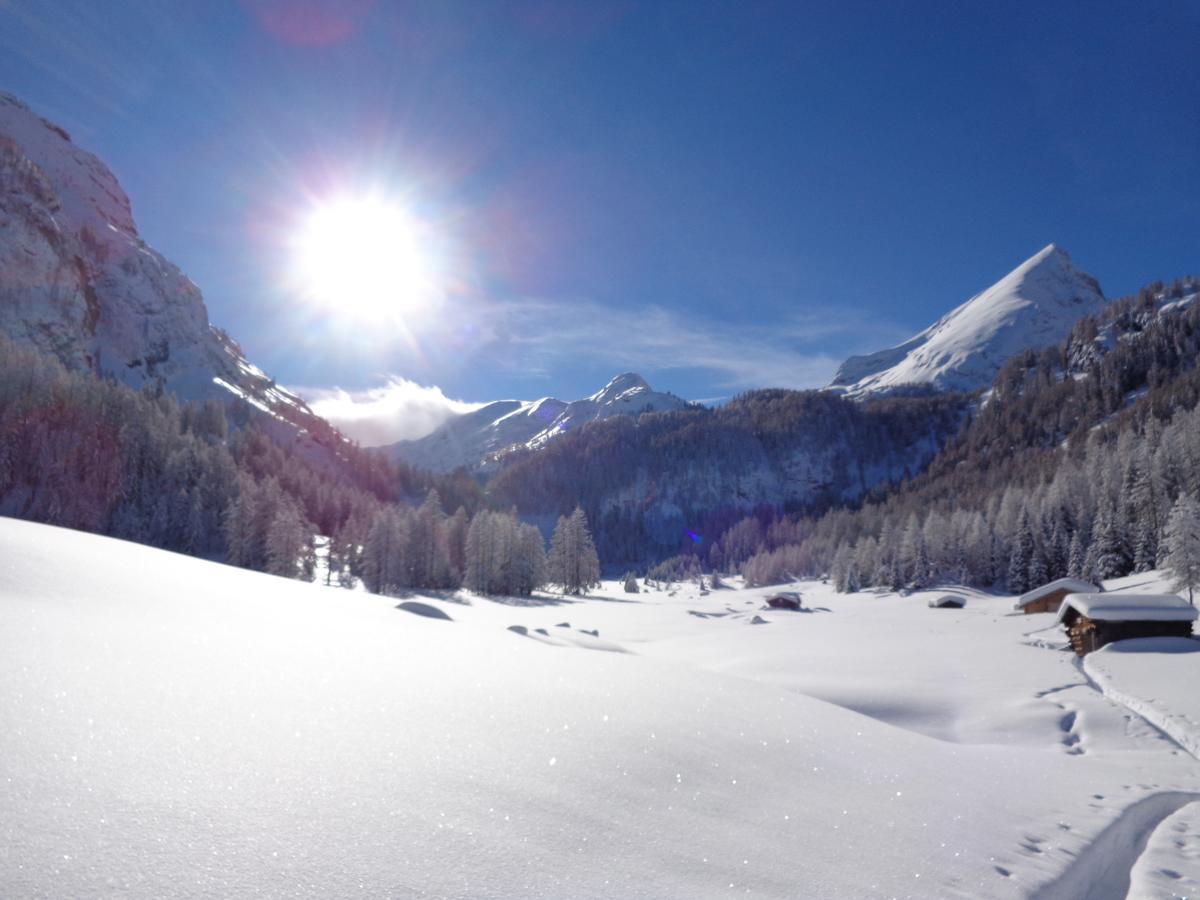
[
  {"x": 540, "y": 336},
  {"x": 545, "y": 338},
  {"x": 398, "y": 410}
]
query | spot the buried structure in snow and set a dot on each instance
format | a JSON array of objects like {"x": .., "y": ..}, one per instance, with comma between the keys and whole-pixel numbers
[
  {"x": 1093, "y": 620},
  {"x": 948, "y": 601},
  {"x": 785, "y": 600}
]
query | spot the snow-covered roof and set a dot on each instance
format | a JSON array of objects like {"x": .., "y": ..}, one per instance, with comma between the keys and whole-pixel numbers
[
  {"x": 786, "y": 595},
  {"x": 1128, "y": 607},
  {"x": 1074, "y": 585},
  {"x": 948, "y": 600}
]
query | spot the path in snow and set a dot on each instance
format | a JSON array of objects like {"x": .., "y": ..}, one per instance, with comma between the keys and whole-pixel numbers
[
  {"x": 1102, "y": 871},
  {"x": 1170, "y": 865},
  {"x": 1156, "y": 678}
]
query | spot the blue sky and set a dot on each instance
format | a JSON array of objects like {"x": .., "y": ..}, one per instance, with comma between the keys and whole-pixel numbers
[{"x": 717, "y": 195}]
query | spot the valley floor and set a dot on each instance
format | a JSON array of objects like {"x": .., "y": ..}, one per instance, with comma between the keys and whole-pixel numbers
[{"x": 175, "y": 728}]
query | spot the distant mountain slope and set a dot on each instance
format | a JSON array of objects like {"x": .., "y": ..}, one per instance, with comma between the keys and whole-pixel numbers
[
  {"x": 79, "y": 282},
  {"x": 475, "y": 439},
  {"x": 1071, "y": 468},
  {"x": 1033, "y": 306},
  {"x": 652, "y": 484}
]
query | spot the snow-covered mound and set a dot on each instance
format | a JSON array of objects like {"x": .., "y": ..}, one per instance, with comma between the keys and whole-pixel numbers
[
  {"x": 199, "y": 730},
  {"x": 476, "y": 438},
  {"x": 1033, "y": 306},
  {"x": 80, "y": 284}
]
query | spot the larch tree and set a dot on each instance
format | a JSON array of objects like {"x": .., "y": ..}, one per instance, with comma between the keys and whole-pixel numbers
[{"x": 383, "y": 568}]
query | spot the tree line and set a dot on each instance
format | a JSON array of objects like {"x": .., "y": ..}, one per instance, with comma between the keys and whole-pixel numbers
[{"x": 217, "y": 480}]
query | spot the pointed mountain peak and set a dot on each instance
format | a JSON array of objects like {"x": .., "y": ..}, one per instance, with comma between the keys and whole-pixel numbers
[
  {"x": 1031, "y": 307},
  {"x": 623, "y": 384}
]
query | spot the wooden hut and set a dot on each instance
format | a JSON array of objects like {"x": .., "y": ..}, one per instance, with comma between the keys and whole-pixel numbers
[
  {"x": 1093, "y": 620},
  {"x": 785, "y": 600},
  {"x": 948, "y": 601},
  {"x": 1049, "y": 597}
]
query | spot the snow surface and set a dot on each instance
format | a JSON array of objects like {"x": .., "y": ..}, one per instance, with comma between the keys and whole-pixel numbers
[
  {"x": 1073, "y": 584},
  {"x": 1170, "y": 865},
  {"x": 196, "y": 729},
  {"x": 1128, "y": 607},
  {"x": 1033, "y": 306},
  {"x": 476, "y": 438}
]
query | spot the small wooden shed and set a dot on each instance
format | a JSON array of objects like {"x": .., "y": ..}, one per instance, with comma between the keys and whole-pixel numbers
[
  {"x": 1093, "y": 620},
  {"x": 785, "y": 600},
  {"x": 1049, "y": 597},
  {"x": 948, "y": 601}
]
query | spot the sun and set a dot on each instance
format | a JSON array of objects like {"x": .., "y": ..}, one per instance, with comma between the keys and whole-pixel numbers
[{"x": 363, "y": 256}]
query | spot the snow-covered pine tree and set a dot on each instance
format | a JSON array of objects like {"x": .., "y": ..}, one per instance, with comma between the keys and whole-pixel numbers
[
  {"x": 1145, "y": 547},
  {"x": 529, "y": 560},
  {"x": 481, "y": 557},
  {"x": 1182, "y": 545},
  {"x": 1021, "y": 555},
  {"x": 456, "y": 543},
  {"x": 383, "y": 569},
  {"x": 839, "y": 569},
  {"x": 573, "y": 563},
  {"x": 237, "y": 526},
  {"x": 427, "y": 557},
  {"x": 289, "y": 543},
  {"x": 1075, "y": 556},
  {"x": 865, "y": 553},
  {"x": 1110, "y": 553},
  {"x": 1037, "y": 570}
]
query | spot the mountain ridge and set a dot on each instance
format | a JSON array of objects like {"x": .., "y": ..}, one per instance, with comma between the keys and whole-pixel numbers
[
  {"x": 477, "y": 439},
  {"x": 82, "y": 285}
]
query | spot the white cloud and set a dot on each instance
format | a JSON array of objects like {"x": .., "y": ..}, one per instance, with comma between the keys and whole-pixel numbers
[{"x": 398, "y": 410}]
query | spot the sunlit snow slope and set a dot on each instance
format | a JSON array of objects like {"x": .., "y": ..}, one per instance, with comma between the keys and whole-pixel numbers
[
  {"x": 1033, "y": 306},
  {"x": 176, "y": 728}
]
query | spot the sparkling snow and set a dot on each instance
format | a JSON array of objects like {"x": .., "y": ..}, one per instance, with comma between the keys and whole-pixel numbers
[{"x": 179, "y": 728}]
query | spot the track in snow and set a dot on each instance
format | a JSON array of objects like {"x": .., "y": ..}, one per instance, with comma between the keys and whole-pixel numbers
[{"x": 1102, "y": 870}]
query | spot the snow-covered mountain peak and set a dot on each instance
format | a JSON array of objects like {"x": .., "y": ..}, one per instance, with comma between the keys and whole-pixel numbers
[
  {"x": 1032, "y": 306},
  {"x": 626, "y": 384},
  {"x": 478, "y": 438}
]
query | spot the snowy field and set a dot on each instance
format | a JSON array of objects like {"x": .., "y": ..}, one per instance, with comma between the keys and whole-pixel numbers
[{"x": 175, "y": 728}]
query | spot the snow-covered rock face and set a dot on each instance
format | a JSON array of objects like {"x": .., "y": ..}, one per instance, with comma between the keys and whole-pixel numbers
[
  {"x": 478, "y": 438},
  {"x": 79, "y": 282},
  {"x": 1033, "y": 306}
]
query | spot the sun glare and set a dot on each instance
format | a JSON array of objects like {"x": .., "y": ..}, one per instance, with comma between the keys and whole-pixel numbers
[{"x": 364, "y": 256}]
